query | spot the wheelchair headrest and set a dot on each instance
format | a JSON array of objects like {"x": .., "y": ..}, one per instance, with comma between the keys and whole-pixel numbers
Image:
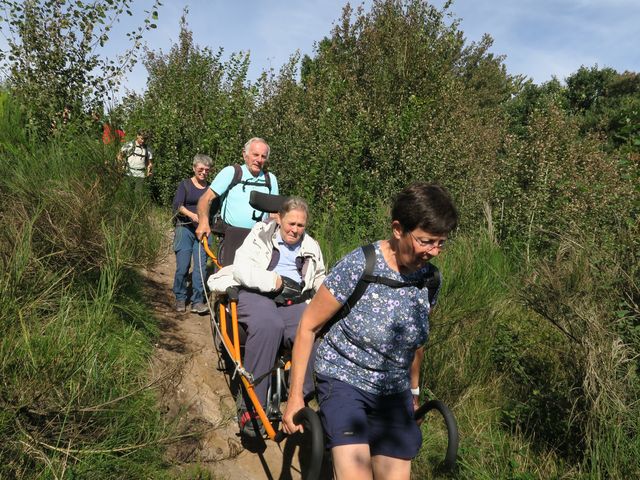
[{"x": 266, "y": 202}]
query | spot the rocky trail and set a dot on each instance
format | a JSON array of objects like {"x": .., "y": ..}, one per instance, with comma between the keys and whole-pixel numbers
[{"x": 195, "y": 392}]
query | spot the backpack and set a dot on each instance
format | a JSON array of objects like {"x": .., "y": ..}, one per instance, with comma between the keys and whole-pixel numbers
[
  {"x": 218, "y": 225},
  {"x": 431, "y": 282},
  {"x": 131, "y": 150}
]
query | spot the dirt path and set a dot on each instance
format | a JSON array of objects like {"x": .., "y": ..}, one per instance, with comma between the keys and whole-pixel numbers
[{"x": 197, "y": 393}]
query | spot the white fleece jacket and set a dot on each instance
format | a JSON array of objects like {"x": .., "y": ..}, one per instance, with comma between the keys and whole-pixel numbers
[{"x": 249, "y": 268}]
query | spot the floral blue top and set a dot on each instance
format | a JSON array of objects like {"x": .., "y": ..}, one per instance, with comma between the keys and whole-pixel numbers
[{"x": 373, "y": 346}]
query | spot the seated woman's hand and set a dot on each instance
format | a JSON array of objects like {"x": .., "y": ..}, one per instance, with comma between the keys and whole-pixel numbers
[
  {"x": 289, "y": 293},
  {"x": 290, "y": 288}
]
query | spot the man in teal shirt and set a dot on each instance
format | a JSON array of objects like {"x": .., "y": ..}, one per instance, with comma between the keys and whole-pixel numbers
[{"x": 235, "y": 210}]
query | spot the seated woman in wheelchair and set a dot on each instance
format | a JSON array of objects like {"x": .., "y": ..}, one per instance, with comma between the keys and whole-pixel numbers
[{"x": 279, "y": 267}]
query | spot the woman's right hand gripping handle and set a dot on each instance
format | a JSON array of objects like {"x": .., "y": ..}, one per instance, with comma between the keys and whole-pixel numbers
[
  {"x": 294, "y": 405},
  {"x": 203, "y": 230},
  {"x": 302, "y": 346}
]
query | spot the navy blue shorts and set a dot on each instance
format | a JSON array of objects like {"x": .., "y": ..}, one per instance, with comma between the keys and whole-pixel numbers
[{"x": 352, "y": 416}]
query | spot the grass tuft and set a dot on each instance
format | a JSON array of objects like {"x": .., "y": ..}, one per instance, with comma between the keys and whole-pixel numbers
[{"x": 76, "y": 400}]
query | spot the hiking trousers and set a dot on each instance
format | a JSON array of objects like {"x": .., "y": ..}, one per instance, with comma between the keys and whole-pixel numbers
[
  {"x": 186, "y": 246},
  {"x": 268, "y": 326}
]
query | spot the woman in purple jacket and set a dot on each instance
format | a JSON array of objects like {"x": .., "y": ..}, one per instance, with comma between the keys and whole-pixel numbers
[{"x": 185, "y": 242}]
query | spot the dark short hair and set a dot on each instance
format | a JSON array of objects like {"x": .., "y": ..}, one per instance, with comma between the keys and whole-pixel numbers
[
  {"x": 425, "y": 206},
  {"x": 144, "y": 134}
]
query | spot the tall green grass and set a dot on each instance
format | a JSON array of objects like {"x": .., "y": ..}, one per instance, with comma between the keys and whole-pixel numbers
[
  {"x": 479, "y": 284},
  {"x": 338, "y": 234},
  {"x": 77, "y": 335},
  {"x": 537, "y": 361},
  {"x": 580, "y": 291}
]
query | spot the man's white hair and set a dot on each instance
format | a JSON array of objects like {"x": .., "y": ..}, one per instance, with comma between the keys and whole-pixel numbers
[{"x": 253, "y": 140}]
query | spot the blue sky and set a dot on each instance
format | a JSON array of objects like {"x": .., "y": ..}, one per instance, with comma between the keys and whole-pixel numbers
[
  {"x": 543, "y": 38},
  {"x": 540, "y": 38}
]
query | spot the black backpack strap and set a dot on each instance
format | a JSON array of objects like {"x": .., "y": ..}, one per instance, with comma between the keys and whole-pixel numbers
[
  {"x": 267, "y": 180},
  {"x": 251, "y": 182},
  {"x": 431, "y": 282},
  {"x": 237, "y": 178},
  {"x": 369, "y": 264},
  {"x": 144, "y": 155},
  {"x": 389, "y": 282}
]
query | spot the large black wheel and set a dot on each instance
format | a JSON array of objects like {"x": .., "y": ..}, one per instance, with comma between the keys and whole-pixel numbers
[
  {"x": 449, "y": 461},
  {"x": 313, "y": 438}
]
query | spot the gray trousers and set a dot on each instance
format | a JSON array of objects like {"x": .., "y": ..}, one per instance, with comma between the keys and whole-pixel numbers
[{"x": 268, "y": 326}]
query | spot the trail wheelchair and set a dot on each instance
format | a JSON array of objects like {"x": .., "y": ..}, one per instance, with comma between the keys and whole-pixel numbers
[
  {"x": 451, "y": 428},
  {"x": 229, "y": 334}
]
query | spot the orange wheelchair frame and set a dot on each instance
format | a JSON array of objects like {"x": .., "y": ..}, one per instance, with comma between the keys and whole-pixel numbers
[{"x": 228, "y": 332}]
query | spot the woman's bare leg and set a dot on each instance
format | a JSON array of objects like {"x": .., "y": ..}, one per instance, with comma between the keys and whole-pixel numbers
[
  {"x": 389, "y": 468},
  {"x": 352, "y": 462}
]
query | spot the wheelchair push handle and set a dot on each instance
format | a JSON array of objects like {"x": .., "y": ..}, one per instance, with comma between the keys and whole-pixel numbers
[
  {"x": 312, "y": 426},
  {"x": 451, "y": 455},
  {"x": 205, "y": 245}
]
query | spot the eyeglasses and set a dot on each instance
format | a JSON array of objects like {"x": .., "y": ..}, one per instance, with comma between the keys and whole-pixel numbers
[
  {"x": 429, "y": 244},
  {"x": 200, "y": 170}
]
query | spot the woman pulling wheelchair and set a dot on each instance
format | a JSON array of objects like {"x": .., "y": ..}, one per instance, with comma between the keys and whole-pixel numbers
[
  {"x": 368, "y": 364},
  {"x": 279, "y": 267}
]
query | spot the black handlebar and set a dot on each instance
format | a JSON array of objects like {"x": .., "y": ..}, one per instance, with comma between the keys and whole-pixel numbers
[
  {"x": 266, "y": 202},
  {"x": 312, "y": 426},
  {"x": 452, "y": 429}
]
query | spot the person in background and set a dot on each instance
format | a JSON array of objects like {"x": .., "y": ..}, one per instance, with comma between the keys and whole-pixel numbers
[
  {"x": 236, "y": 213},
  {"x": 137, "y": 159},
  {"x": 185, "y": 243},
  {"x": 368, "y": 363}
]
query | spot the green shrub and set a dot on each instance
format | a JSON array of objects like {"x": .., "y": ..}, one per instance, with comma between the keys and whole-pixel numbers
[
  {"x": 539, "y": 364},
  {"x": 466, "y": 365},
  {"x": 578, "y": 292},
  {"x": 195, "y": 103}
]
